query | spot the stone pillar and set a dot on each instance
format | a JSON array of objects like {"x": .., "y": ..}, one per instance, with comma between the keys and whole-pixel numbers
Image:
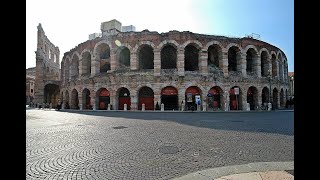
[
  {"x": 244, "y": 101},
  {"x": 226, "y": 101},
  {"x": 80, "y": 100},
  {"x": 156, "y": 62},
  {"x": 109, "y": 107},
  {"x": 134, "y": 102},
  {"x": 113, "y": 60},
  {"x": 257, "y": 65},
  {"x": 203, "y": 62},
  {"x": 225, "y": 63},
  {"x": 204, "y": 101},
  {"x": 180, "y": 61},
  {"x": 125, "y": 107},
  {"x": 277, "y": 65},
  {"x": 80, "y": 67},
  {"x": 113, "y": 99},
  {"x": 162, "y": 107},
  {"x": 157, "y": 98},
  {"x": 181, "y": 98},
  {"x": 93, "y": 100},
  {"x": 133, "y": 62},
  {"x": 95, "y": 67},
  {"x": 242, "y": 64}
]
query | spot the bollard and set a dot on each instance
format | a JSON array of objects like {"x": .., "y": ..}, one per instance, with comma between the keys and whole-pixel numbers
[
  {"x": 204, "y": 107},
  {"x": 125, "y": 107},
  {"x": 248, "y": 107},
  {"x": 94, "y": 107},
  {"x": 162, "y": 107},
  {"x": 62, "y": 106},
  {"x": 81, "y": 107},
  {"x": 50, "y": 106},
  {"x": 143, "y": 107},
  {"x": 269, "y": 106},
  {"x": 109, "y": 107}
]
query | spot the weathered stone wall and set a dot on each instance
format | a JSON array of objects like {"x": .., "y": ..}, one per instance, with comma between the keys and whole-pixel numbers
[{"x": 134, "y": 78}]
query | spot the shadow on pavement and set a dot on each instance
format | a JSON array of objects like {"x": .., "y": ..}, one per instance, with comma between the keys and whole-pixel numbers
[{"x": 267, "y": 122}]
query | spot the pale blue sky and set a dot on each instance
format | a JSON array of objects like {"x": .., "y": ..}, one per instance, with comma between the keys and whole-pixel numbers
[{"x": 69, "y": 23}]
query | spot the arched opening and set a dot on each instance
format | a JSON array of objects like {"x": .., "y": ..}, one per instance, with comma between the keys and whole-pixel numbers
[
  {"x": 124, "y": 98},
  {"x": 74, "y": 99},
  {"x": 214, "y": 57},
  {"x": 192, "y": 93},
  {"x": 146, "y": 96},
  {"x": 233, "y": 58},
  {"x": 86, "y": 63},
  {"x": 146, "y": 57},
  {"x": 282, "y": 100},
  {"x": 275, "y": 98},
  {"x": 62, "y": 72},
  {"x": 251, "y": 58},
  {"x": 66, "y": 71},
  {"x": 191, "y": 58},
  {"x": 124, "y": 57},
  {"x": 264, "y": 64},
  {"x": 67, "y": 104},
  {"x": 86, "y": 100},
  {"x": 169, "y": 97},
  {"x": 74, "y": 68},
  {"x": 103, "y": 98},
  {"x": 235, "y": 98},
  {"x": 214, "y": 98},
  {"x": 252, "y": 98},
  {"x": 168, "y": 57},
  {"x": 274, "y": 65},
  {"x": 103, "y": 52},
  {"x": 265, "y": 96},
  {"x": 51, "y": 94}
]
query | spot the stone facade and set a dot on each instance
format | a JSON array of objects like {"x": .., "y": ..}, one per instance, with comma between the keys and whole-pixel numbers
[
  {"x": 172, "y": 68},
  {"x": 47, "y": 70}
]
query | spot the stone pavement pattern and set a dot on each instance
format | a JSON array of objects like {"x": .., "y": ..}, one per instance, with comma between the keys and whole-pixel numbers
[
  {"x": 64, "y": 145},
  {"x": 269, "y": 175}
]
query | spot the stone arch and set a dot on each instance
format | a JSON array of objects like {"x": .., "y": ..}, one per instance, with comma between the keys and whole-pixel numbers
[
  {"x": 123, "y": 97},
  {"x": 166, "y": 42},
  {"x": 215, "y": 98},
  {"x": 279, "y": 55},
  {"x": 251, "y": 59},
  {"x": 191, "y": 57},
  {"x": 75, "y": 54},
  {"x": 102, "y": 98},
  {"x": 213, "y": 43},
  {"x": 235, "y": 101},
  {"x": 196, "y": 43},
  {"x": 169, "y": 56},
  {"x": 264, "y": 58},
  {"x": 74, "y": 68},
  {"x": 234, "y": 58},
  {"x": 86, "y": 62},
  {"x": 252, "y": 98},
  {"x": 102, "y": 52},
  {"x": 215, "y": 52},
  {"x": 74, "y": 99},
  {"x": 250, "y": 47},
  {"x": 123, "y": 56},
  {"x": 275, "y": 98},
  {"x": 169, "y": 97},
  {"x": 274, "y": 65},
  {"x": 86, "y": 99},
  {"x": 146, "y": 96},
  {"x": 191, "y": 94},
  {"x": 95, "y": 49},
  {"x": 141, "y": 43},
  {"x": 145, "y": 56},
  {"x": 66, "y": 103},
  {"x": 265, "y": 95}
]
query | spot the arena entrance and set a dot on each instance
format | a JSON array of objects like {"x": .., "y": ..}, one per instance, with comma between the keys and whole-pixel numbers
[
  {"x": 124, "y": 98},
  {"x": 252, "y": 97},
  {"x": 234, "y": 99},
  {"x": 190, "y": 97},
  {"x": 104, "y": 99},
  {"x": 146, "y": 96},
  {"x": 214, "y": 100},
  {"x": 51, "y": 94},
  {"x": 169, "y": 97}
]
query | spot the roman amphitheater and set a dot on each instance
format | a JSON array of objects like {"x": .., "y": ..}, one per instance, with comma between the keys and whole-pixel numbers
[{"x": 181, "y": 70}]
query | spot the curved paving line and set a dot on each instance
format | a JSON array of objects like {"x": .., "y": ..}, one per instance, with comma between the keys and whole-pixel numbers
[{"x": 237, "y": 169}]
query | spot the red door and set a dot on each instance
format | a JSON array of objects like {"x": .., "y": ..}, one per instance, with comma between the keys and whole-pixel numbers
[
  {"x": 124, "y": 100},
  {"x": 148, "y": 101}
]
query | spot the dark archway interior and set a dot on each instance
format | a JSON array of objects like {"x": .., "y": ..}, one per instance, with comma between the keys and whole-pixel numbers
[
  {"x": 86, "y": 63},
  {"x": 51, "y": 94},
  {"x": 86, "y": 100},
  {"x": 168, "y": 57},
  {"x": 249, "y": 59},
  {"x": 124, "y": 58},
  {"x": 146, "y": 57},
  {"x": 191, "y": 58},
  {"x": 264, "y": 64},
  {"x": 232, "y": 59},
  {"x": 124, "y": 98},
  {"x": 214, "y": 55},
  {"x": 104, "y": 55},
  {"x": 146, "y": 96}
]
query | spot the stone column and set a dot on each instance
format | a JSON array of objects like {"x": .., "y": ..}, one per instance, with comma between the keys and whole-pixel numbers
[
  {"x": 113, "y": 60},
  {"x": 181, "y": 97},
  {"x": 113, "y": 99},
  {"x": 225, "y": 63},
  {"x": 180, "y": 61},
  {"x": 157, "y": 98},
  {"x": 242, "y": 64},
  {"x": 225, "y": 101},
  {"x": 95, "y": 66},
  {"x": 244, "y": 101},
  {"x": 157, "y": 63},
  {"x": 203, "y": 62},
  {"x": 80, "y": 101},
  {"x": 134, "y": 102},
  {"x": 204, "y": 101},
  {"x": 277, "y": 65},
  {"x": 134, "y": 62},
  {"x": 93, "y": 100},
  {"x": 257, "y": 65}
]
